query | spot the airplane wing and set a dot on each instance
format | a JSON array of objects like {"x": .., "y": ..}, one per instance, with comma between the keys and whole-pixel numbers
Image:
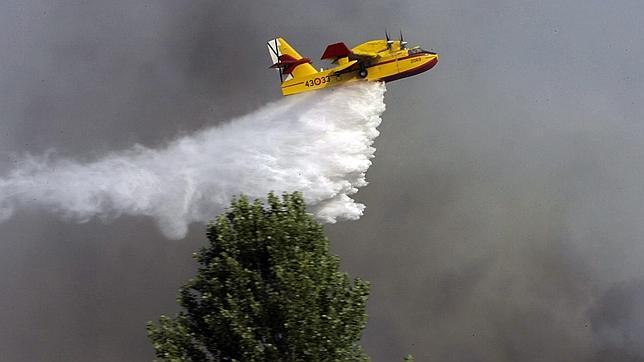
[
  {"x": 363, "y": 54},
  {"x": 335, "y": 51},
  {"x": 370, "y": 49},
  {"x": 340, "y": 50},
  {"x": 366, "y": 51}
]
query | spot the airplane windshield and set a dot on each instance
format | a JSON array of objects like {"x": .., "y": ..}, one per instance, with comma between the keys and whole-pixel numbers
[{"x": 419, "y": 50}]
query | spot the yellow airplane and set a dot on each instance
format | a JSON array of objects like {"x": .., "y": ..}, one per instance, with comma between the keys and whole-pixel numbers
[{"x": 376, "y": 60}]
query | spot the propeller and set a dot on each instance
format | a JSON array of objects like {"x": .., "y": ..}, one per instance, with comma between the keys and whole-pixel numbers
[
  {"x": 389, "y": 41},
  {"x": 403, "y": 43}
]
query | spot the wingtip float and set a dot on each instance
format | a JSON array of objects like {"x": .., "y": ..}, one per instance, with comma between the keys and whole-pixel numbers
[{"x": 376, "y": 60}]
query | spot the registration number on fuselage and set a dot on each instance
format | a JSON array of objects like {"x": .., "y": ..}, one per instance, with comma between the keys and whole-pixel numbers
[{"x": 317, "y": 81}]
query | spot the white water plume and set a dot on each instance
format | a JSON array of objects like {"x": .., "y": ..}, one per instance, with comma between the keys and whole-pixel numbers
[{"x": 318, "y": 143}]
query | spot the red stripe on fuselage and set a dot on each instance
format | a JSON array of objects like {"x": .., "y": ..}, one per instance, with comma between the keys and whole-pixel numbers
[
  {"x": 290, "y": 85},
  {"x": 408, "y": 73}
]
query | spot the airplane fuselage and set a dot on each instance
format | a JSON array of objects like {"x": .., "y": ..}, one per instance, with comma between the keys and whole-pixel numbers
[{"x": 396, "y": 65}]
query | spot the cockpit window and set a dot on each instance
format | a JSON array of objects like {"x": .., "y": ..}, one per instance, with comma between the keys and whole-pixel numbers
[{"x": 419, "y": 50}]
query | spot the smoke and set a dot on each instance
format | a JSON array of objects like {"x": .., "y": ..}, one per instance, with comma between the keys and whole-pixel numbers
[
  {"x": 318, "y": 143},
  {"x": 617, "y": 320}
]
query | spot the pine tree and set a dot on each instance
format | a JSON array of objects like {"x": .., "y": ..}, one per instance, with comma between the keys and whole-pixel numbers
[{"x": 267, "y": 289}]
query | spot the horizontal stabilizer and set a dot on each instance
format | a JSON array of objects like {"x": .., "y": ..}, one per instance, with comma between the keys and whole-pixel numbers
[
  {"x": 335, "y": 51},
  {"x": 287, "y": 63}
]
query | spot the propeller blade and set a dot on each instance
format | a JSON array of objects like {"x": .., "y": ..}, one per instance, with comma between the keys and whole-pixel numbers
[
  {"x": 389, "y": 41},
  {"x": 403, "y": 43}
]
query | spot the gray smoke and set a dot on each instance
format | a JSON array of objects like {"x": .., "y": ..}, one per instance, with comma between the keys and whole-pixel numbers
[
  {"x": 617, "y": 319},
  {"x": 504, "y": 205}
]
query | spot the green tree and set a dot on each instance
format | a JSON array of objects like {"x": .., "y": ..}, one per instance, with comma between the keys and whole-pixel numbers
[{"x": 267, "y": 289}]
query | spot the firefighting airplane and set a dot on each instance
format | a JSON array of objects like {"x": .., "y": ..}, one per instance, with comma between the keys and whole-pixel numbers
[{"x": 376, "y": 60}]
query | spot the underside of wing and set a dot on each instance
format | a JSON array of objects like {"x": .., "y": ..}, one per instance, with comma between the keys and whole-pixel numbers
[
  {"x": 347, "y": 67},
  {"x": 336, "y": 51}
]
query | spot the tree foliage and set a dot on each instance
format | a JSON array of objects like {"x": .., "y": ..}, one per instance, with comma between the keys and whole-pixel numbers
[{"x": 267, "y": 289}]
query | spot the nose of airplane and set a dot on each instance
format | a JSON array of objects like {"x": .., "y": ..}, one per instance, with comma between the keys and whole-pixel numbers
[
  {"x": 432, "y": 56},
  {"x": 433, "y": 60}
]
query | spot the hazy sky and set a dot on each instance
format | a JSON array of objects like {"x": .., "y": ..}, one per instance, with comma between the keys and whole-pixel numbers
[{"x": 504, "y": 214}]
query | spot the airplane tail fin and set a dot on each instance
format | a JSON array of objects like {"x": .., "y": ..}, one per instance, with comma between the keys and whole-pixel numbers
[{"x": 288, "y": 61}]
